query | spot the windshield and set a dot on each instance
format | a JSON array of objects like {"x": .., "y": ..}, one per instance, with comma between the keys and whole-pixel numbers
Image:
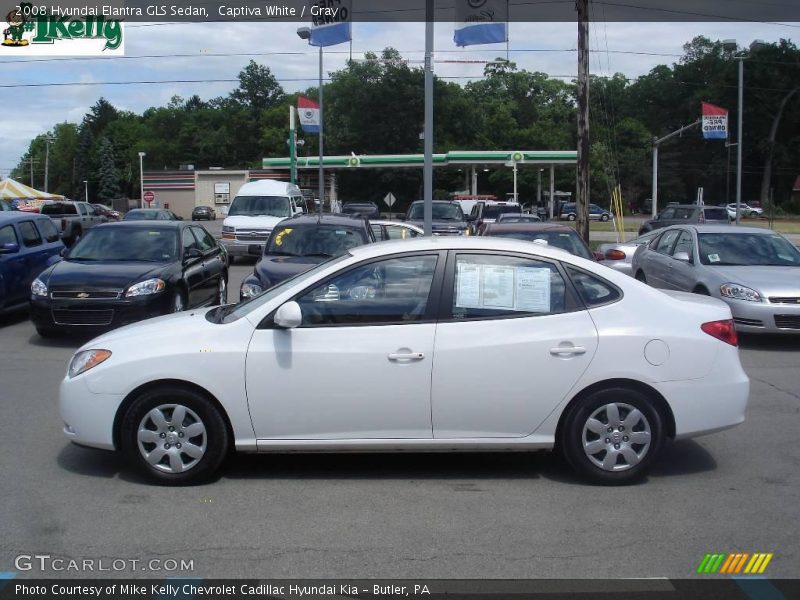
[
  {"x": 441, "y": 212},
  {"x": 59, "y": 208},
  {"x": 492, "y": 211},
  {"x": 142, "y": 215},
  {"x": 234, "y": 312},
  {"x": 746, "y": 249},
  {"x": 560, "y": 239},
  {"x": 260, "y": 206},
  {"x": 133, "y": 244},
  {"x": 715, "y": 214},
  {"x": 314, "y": 240}
]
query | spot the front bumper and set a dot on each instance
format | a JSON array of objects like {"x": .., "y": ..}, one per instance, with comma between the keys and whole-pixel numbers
[
  {"x": 241, "y": 248},
  {"x": 88, "y": 417},
  {"x": 765, "y": 317},
  {"x": 96, "y": 315}
]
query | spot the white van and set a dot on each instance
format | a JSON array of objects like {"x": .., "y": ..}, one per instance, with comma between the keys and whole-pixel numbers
[{"x": 255, "y": 211}]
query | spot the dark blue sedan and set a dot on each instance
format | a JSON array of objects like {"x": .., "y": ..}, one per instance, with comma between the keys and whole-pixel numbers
[{"x": 29, "y": 243}]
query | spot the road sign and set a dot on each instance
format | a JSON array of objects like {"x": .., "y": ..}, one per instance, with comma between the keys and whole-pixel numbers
[
  {"x": 149, "y": 197},
  {"x": 389, "y": 200}
]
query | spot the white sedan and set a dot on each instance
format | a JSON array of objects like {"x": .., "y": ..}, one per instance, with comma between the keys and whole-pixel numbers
[{"x": 429, "y": 345}]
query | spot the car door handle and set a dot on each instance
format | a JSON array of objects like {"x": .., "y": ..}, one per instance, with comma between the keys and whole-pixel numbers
[
  {"x": 568, "y": 351},
  {"x": 410, "y": 357}
]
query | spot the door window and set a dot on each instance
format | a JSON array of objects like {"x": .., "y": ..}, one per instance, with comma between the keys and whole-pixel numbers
[
  {"x": 204, "y": 240},
  {"x": 48, "y": 230},
  {"x": 506, "y": 286},
  {"x": 667, "y": 213},
  {"x": 392, "y": 291},
  {"x": 189, "y": 242},
  {"x": 397, "y": 232},
  {"x": 684, "y": 244},
  {"x": 8, "y": 235},
  {"x": 593, "y": 290},
  {"x": 30, "y": 236},
  {"x": 665, "y": 242}
]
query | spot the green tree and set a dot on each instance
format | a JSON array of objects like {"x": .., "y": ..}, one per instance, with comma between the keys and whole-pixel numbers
[{"x": 107, "y": 174}]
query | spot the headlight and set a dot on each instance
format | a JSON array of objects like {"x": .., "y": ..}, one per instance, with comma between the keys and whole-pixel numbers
[
  {"x": 739, "y": 292},
  {"x": 250, "y": 290},
  {"x": 38, "y": 288},
  {"x": 228, "y": 229},
  {"x": 145, "y": 288},
  {"x": 83, "y": 361}
]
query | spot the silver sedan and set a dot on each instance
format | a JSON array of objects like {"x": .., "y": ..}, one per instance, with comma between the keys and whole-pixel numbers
[
  {"x": 618, "y": 255},
  {"x": 756, "y": 271}
]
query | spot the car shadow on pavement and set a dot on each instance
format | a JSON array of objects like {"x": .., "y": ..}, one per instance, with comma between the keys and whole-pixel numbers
[
  {"x": 13, "y": 318},
  {"x": 769, "y": 343}
]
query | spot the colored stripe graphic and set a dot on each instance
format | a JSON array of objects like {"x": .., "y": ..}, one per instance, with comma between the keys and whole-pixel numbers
[{"x": 734, "y": 563}]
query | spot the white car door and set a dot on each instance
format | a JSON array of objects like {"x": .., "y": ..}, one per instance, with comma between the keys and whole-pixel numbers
[
  {"x": 359, "y": 366},
  {"x": 512, "y": 342}
]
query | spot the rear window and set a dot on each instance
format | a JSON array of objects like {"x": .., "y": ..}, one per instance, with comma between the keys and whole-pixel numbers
[
  {"x": 715, "y": 214},
  {"x": 493, "y": 211},
  {"x": 571, "y": 242},
  {"x": 59, "y": 208}
]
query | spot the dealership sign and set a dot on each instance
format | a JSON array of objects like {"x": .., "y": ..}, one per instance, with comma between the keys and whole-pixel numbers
[{"x": 715, "y": 122}]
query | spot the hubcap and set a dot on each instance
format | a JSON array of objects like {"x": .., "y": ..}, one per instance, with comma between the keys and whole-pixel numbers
[
  {"x": 616, "y": 437},
  {"x": 172, "y": 438}
]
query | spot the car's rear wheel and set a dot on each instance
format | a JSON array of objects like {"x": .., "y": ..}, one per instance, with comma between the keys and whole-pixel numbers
[
  {"x": 604, "y": 217},
  {"x": 612, "y": 436},
  {"x": 175, "y": 436},
  {"x": 640, "y": 276},
  {"x": 571, "y": 217}
]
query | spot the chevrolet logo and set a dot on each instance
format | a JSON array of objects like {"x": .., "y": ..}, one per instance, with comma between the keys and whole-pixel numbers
[{"x": 83, "y": 295}]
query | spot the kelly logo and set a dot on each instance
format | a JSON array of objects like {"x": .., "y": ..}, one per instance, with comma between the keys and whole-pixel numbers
[
  {"x": 81, "y": 32},
  {"x": 737, "y": 563}
]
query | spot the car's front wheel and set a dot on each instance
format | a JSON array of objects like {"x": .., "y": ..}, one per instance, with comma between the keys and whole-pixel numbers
[
  {"x": 571, "y": 217},
  {"x": 612, "y": 436},
  {"x": 175, "y": 436},
  {"x": 604, "y": 217}
]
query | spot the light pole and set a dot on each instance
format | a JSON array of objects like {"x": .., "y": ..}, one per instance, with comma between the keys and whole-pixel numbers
[
  {"x": 86, "y": 187},
  {"x": 141, "y": 179},
  {"x": 539, "y": 190},
  {"x": 732, "y": 46},
  {"x": 48, "y": 140},
  {"x": 305, "y": 34}
]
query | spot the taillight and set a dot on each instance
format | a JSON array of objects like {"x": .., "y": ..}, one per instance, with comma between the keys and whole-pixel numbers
[
  {"x": 722, "y": 330},
  {"x": 615, "y": 255}
]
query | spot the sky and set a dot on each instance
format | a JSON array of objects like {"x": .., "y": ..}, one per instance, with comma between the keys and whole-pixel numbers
[{"x": 629, "y": 48}]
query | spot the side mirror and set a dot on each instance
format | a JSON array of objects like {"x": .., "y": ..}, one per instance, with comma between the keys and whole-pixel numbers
[
  {"x": 10, "y": 248},
  {"x": 254, "y": 250},
  {"x": 683, "y": 257},
  {"x": 289, "y": 316},
  {"x": 192, "y": 254}
]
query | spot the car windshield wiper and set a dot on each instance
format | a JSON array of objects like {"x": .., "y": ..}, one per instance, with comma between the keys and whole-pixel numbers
[
  {"x": 279, "y": 253},
  {"x": 322, "y": 254}
]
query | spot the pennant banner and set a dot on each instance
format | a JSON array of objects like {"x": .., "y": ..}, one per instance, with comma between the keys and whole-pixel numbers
[
  {"x": 331, "y": 22},
  {"x": 481, "y": 22},
  {"x": 715, "y": 122},
  {"x": 309, "y": 114}
]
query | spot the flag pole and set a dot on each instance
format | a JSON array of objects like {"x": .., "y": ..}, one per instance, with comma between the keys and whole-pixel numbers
[{"x": 428, "y": 168}]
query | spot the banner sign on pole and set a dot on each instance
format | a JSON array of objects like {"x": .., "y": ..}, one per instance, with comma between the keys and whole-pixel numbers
[
  {"x": 481, "y": 22},
  {"x": 715, "y": 122},
  {"x": 309, "y": 114},
  {"x": 331, "y": 22}
]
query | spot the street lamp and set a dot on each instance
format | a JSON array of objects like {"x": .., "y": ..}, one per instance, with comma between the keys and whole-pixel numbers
[
  {"x": 304, "y": 33},
  {"x": 141, "y": 179},
  {"x": 86, "y": 186},
  {"x": 733, "y": 46}
]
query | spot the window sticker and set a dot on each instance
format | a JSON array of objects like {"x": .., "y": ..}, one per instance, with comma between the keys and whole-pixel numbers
[
  {"x": 281, "y": 235},
  {"x": 713, "y": 258},
  {"x": 498, "y": 287},
  {"x": 533, "y": 290},
  {"x": 468, "y": 286}
]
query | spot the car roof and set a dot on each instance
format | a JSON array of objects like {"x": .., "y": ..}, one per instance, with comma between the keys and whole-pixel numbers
[
  {"x": 325, "y": 219},
  {"x": 437, "y": 202},
  {"x": 14, "y": 216},
  {"x": 269, "y": 187},
  {"x": 530, "y": 226},
  {"x": 148, "y": 224},
  {"x": 729, "y": 229},
  {"x": 395, "y": 223},
  {"x": 452, "y": 242}
]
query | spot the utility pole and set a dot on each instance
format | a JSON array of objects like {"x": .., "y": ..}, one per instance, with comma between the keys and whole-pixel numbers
[
  {"x": 428, "y": 166},
  {"x": 48, "y": 140},
  {"x": 582, "y": 199},
  {"x": 32, "y": 161}
]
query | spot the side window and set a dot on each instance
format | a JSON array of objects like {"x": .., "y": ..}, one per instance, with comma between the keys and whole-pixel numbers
[
  {"x": 593, "y": 290},
  {"x": 664, "y": 244},
  {"x": 48, "y": 230},
  {"x": 189, "y": 241},
  {"x": 30, "y": 236},
  {"x": 81, "y": 209},
  {"x": 378, "y": 232},
  {"x": 397, "y": 232},
  {"x": 91, "y": 211},
  {"x": 389, "y": 291},
  {"x": 8, "y": 235},
  {"x": 684, "y": 244},
  {"x": 667, "y": 213},
  {"x": 506, "y": 286},
  {"x": 204, "y": 240}
]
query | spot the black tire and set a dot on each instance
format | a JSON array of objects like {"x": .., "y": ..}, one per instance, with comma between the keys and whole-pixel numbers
[
  {"x": 571, "y": 217},
  {"x": 701, "y": 291},
  {"x": 575, "y": 432},
  {"x": 46, "y": 333},
  {"x": 215, "y": 437},
  {"x": 640, "y": 276},
  {"x": 604, "y": 217}
]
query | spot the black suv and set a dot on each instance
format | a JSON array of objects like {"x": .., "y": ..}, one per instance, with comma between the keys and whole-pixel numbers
[
  {"x": 448, "y": 218},
  {"x": 299, "y": 243},
  {"x": 369, "y": 210},
  {"x": 687, "y": 214}
]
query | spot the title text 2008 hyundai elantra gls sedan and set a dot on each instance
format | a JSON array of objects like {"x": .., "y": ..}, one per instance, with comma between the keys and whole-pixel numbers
[{"x": 387, "y": 347}]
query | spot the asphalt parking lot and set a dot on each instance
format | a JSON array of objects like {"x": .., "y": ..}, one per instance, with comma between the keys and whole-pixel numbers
[{"x": 462, "y": 515}]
